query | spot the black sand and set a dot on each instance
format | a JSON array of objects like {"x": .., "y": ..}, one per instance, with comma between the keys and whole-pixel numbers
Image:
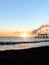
[{"x": 36, "y": 56}]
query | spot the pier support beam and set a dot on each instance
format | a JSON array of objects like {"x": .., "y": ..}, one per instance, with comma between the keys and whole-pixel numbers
[{"x": 42, "y": 36}]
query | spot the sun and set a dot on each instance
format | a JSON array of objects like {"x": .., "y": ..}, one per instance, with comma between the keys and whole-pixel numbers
[{"x": 24, "y": 34}]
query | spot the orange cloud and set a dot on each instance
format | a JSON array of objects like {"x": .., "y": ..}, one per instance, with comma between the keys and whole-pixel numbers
[{"x": 14, "y": 34}]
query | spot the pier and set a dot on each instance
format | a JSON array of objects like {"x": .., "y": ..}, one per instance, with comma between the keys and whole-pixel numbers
[{"x": 42, "y": 35}]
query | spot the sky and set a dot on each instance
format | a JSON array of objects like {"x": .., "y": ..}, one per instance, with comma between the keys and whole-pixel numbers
[{"x": 23, "y": 14}]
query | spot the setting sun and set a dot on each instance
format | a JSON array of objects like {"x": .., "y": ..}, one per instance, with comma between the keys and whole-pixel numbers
[{"x": 24, "y": 34}]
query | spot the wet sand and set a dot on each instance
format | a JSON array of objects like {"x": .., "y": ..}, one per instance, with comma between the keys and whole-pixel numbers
[{"x": 39, "y": 55}]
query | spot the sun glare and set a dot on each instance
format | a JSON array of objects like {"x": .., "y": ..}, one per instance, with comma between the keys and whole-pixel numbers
[{"x": 24, "y": 34}]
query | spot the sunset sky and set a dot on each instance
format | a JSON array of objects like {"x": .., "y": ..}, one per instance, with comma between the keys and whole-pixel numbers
[{"x": 23, "y": 14}]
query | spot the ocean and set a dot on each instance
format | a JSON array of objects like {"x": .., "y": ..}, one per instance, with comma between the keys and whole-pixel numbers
[
  {"x": 22, "y": 45},
  {"x": 19, "y": 39}
]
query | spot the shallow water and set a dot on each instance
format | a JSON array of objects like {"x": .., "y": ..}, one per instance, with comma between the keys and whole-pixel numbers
[
  {"x": 17, "y": 39},
  {"x": 22, "y": 45}
]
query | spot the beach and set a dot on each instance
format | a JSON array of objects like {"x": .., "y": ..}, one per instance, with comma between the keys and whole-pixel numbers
[
  {"x": 39, "y": 55},
  {"x": 28, "y": 50}
]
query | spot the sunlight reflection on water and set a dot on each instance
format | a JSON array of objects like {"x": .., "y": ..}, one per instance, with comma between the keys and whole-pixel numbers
[{"x": 22, "y": 45}]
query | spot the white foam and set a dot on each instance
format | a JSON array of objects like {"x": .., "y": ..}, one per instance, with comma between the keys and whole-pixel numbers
[{"x": 23, "y": 46}]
